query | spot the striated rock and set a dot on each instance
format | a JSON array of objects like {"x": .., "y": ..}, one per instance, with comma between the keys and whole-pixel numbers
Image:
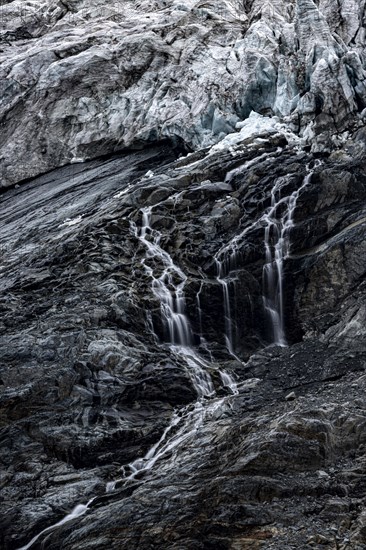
[
  {"x": 182, "y": 349},
  {"x": 91, "y": 385}
]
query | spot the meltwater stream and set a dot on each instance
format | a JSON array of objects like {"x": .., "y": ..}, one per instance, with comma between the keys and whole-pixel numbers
[
  {"x": 226, "y": 281},
  {"x": 168, "y": 287},
  {"x": 182, "y": 427},
  {"x": 278, "y": 220},
  {"x": 77, "y": 512},
  {"x": 168, "y": 284}
]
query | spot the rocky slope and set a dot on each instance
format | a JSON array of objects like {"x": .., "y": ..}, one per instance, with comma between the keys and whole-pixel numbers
[
  {"x": 90, "y": 386},
  {"x": 182, "y": 352}
]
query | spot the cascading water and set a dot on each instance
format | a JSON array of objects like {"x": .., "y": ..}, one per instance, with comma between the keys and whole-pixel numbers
[
  {"x": 226, "y": 261},
  {"x": 78, "y": 511},
  {"x": 182, "y": 427},
  {"x": 225, "y": 282},
  {"x": 276, "y": 246},
  {"x": 169, "y": 289},
  {"x": 172, "y": 302},
  {"x": 279, "y": 221}
]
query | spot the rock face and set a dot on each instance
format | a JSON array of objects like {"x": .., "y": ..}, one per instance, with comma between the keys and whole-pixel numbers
[
  {"x": 182, "y": 352},
  {"x": 94, "y": 395},
  {"x": 80, "y": 81}
]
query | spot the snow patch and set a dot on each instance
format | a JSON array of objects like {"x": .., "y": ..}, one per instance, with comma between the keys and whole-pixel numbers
[{"x": 254, "y": 126}]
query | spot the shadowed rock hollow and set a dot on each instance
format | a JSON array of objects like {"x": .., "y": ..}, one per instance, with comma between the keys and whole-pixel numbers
[{"x": 182, "y": 351}]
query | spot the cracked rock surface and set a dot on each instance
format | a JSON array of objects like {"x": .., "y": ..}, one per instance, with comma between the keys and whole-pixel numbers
[
  {"x": 90, "y": 384},
  {"x": 160, "y": 385}
]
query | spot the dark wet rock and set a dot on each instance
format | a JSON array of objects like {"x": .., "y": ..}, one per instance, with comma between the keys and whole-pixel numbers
[{"x": 90, "y": 382}]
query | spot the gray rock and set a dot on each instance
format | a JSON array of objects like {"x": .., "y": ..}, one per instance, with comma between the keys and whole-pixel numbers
[
  {"x": 93, "y": 396},
  {"x": 90, "y": 386},
  {"x": 291, "y": 396}
]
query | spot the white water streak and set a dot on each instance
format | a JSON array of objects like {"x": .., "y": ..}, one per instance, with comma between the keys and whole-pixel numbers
[
  {"x": 228, "y": 381},
  {"x": 279, "y": 222},
  {"x": 221, "y": 278},
  {"x": 78, "y": 511},
  {"x": 169, "y": 286},
  {"x": 277, "y": 245},
  {"x": 169, "y": 289}
]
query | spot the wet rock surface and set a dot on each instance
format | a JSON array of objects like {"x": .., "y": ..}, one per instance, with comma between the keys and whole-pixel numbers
[{"x": 90, "y": 383}]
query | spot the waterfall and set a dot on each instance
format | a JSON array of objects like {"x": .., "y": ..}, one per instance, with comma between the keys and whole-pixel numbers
[
  {"x": 168, "y": 287},
  {"x": 78, "y": 511},
  {"x": 276, "y": 246},
  {"x": 225, "y": 283},
  {"x": 227, "y": 262},
  {"x": 229, "y": 382},
  {"x": 279, "y": 221}
]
